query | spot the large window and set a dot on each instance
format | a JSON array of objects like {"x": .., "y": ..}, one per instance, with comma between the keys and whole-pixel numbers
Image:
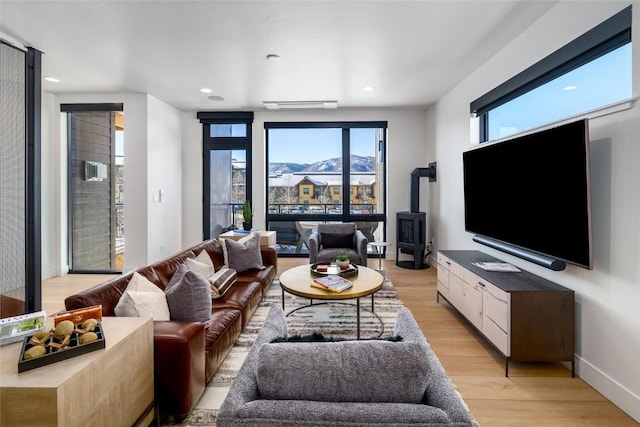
[
  {"x": 591, "y": 72},
  {"x": 324, "y": 172}
]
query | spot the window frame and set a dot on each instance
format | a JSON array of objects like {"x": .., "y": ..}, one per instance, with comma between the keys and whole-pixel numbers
[{"x": 611, "y": 34}]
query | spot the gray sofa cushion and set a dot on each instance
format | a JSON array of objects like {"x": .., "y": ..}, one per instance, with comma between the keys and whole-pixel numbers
[{"x": 346, "y": 371}]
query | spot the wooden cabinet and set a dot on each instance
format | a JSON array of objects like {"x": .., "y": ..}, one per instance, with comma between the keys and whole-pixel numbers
[
  {"x": 108, "y": 387},
  {"x": 527, "y": 318}
]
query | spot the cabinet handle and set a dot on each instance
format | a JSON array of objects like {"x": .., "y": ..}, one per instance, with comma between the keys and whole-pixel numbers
[
  {"x": 481, "y": 284},
  {"x": 447, "y": 262}
]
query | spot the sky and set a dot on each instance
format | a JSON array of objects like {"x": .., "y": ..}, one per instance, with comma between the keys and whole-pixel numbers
[{"x": 310, "y": 145}]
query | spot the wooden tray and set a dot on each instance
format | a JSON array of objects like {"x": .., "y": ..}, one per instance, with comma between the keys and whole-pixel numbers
[
  {"x": 352, "y": 270},
  {"x": 51, "y": 356}
]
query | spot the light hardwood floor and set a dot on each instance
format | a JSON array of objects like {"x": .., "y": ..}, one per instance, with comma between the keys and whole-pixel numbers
[{"x": 535, "y": 394}]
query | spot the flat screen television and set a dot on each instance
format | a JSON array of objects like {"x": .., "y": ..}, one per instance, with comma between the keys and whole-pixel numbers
[{"x": 532, "y": 194}]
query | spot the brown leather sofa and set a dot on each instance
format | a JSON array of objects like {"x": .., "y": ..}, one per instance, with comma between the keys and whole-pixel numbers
[{"x": 188, "y": 354}]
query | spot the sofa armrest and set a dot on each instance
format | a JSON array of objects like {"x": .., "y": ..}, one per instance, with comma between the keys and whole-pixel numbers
[
  {"x": 314, "y": 246},
  {"x": 406, "y": 326},
  {"x": 361, "y": 246},
  {"x": 179, "y": 357},
  {"x": 245, "y": 387},
  {"x": 269, "y": 255}
]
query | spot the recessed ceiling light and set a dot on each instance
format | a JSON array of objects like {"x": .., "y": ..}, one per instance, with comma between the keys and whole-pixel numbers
[
  {"x": 216, "y": 98},
  {"x": 368, "y": 88},
  {"x": 52, "y": 79},
  {"x": 273, "y": 57},
  {"x": 570, "y": 88},
  {"x": 205, "y": 90}
]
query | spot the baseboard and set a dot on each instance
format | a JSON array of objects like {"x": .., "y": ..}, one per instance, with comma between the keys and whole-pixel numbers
[
  {"x": 622, "y": 397},
  {"x": 49, "y": 272}
]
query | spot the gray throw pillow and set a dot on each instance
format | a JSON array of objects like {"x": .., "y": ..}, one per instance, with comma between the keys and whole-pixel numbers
[
  {"x": 244, "y": 256},
  {"x": 189, "y": 296},
  {"x": 335, "y": 240},
  {"x": 347, "y": 371}
]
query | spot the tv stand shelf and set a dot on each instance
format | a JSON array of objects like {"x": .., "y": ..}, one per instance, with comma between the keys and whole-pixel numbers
[{"x": 525, "y": 317}]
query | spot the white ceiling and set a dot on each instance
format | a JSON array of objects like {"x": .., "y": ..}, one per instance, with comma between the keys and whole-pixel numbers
[{"x": 413, "y": 52}]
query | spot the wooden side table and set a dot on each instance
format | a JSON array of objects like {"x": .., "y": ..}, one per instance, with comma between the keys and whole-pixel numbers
[
  {"x": 108, "y": 387},
  {"x": 267, "y": 238}
]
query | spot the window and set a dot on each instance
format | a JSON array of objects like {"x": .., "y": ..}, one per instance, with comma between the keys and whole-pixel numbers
[
  {"x": 231, "y": 130},
  {"x": 591, "y": 72},
  {"x": 310, "y": 167},
  {"x": 226, "y": 169}
]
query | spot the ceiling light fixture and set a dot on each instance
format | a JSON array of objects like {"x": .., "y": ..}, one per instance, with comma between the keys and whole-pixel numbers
[
  {"x": 277, "y": 105},
  {"x": 570, "y": 87},
  {"x": 52, "y": 79},
  {"x": 205, "y": 90},
  {"x": 368, "y": 88}
]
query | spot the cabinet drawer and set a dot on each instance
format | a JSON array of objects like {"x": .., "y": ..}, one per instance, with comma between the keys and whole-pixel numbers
[
  {"x": 456, "y": 269},
  {"x": 497, "y": 336},
  {"x": 443, "y": 260},
  {"x": 496, "y": 308}
]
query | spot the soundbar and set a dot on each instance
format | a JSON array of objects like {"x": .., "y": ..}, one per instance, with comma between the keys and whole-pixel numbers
[{"x": 545, "y": 261}]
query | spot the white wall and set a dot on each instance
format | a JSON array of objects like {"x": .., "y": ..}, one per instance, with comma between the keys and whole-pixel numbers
[
  {"x": 608, "y": 297},
  {"x": 164, "y": 174},
  {"x": 405, "y": 152},
  {"x": 152, "y": 148}
]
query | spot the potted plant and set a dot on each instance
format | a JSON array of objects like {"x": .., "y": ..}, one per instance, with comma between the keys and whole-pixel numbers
[
  {"x": 247, "y": 215},
  {"x": 342, "y": 261}
]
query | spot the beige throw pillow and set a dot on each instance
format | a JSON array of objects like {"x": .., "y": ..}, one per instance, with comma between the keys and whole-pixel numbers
[
  {"x": 142, "y": 299},
  {"x": 201, "y": 265}
]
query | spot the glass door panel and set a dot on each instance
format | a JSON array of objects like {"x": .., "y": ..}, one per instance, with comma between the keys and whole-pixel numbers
[
  {"x": 228, "y": 189},
  {"x": 96, "y": 189},
  {"x": 366, "y": 171}
]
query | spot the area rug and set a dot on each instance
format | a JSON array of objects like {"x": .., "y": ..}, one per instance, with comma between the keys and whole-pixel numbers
[{"x": 336, "y": 319}]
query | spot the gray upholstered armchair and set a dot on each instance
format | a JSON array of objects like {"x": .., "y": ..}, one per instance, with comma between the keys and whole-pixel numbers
[{"x": 330, "y": 240}]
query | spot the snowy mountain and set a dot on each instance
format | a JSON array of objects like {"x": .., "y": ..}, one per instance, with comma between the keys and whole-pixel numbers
[{"x": 358, "y": 164}]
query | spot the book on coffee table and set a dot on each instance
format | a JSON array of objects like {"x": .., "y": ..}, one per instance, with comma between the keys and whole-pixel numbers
[{"x": 333, "y": 283}]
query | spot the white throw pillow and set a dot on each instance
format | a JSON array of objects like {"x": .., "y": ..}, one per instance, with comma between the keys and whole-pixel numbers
[
  {"x": 201, "y": 265},
  {"x": 143, "y": 299}
]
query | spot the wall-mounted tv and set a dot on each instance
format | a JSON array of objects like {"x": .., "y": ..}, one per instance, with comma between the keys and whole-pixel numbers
[{"x": 530, "y": 195}]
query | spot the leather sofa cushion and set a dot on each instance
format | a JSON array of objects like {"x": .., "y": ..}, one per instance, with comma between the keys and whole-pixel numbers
[{"x": 346, "y": 371}]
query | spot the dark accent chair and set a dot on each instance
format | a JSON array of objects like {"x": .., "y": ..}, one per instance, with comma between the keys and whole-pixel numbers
[{"x": 330, "y": 240}]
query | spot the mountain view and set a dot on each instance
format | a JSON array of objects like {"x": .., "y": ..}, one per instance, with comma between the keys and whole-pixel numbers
[{"x": 358, "y": 164}]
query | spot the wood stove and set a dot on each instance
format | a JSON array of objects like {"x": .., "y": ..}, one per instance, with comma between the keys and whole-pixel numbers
[
  {"x": 410, "y": 238},
  {"x": 411, "y": 227}
]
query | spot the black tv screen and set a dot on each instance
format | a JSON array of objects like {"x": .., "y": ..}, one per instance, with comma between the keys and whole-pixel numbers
[{"x": 533, "y": 192}]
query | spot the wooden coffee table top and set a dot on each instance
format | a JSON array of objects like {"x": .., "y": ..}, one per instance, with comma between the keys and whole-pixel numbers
[{"x": 297, "y": 281}]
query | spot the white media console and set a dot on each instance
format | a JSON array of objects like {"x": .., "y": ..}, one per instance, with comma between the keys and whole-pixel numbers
[{"x": 525, "y": 317}]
